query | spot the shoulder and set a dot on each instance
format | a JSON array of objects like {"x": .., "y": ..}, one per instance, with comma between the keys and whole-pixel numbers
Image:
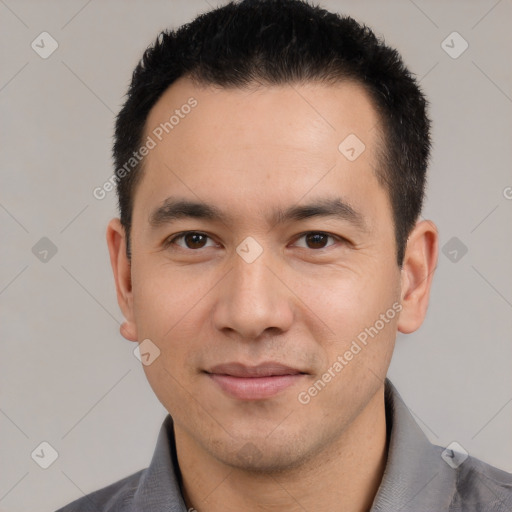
[
  {"x": 156, "y": 488},
  {"x": 423, "y": 476},
  {"x": 480, "y": 486},
  {"x": 116, "y": 497}
]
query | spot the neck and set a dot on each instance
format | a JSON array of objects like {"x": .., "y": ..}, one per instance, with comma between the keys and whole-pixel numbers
[{"x": 345, "y": 475}]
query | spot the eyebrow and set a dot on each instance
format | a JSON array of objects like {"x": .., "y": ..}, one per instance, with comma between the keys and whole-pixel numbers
[{"x": 178, "y": 208}]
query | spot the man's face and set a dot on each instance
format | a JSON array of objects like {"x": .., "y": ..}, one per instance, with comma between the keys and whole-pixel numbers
[{"x": 297, "y": 293}]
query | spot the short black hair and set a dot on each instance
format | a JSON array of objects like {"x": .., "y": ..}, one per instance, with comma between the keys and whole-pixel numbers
[{"x": 272, "y": 42}]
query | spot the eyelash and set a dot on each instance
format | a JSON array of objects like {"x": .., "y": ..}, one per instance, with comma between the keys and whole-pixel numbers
[{"x": 171, "y": 240}]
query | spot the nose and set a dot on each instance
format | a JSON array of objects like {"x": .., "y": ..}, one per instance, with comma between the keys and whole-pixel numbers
[{"x": 253, "y": 300}]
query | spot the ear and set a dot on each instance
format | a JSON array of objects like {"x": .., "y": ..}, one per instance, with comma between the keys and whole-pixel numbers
[
  {"x": 418, "y": 267},
  {"x": 116, "y": 241}
]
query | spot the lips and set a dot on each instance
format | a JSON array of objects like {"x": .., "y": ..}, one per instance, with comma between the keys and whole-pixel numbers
[
  {"x": 254, "y": 382},
  {"x": 261, "y": 370}
]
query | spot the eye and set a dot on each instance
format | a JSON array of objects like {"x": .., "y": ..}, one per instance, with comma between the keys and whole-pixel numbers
[
  {"x": 189, "y": 239},
  {"x": 194, "y": 240},
  {"x": 317, "y": 240}
]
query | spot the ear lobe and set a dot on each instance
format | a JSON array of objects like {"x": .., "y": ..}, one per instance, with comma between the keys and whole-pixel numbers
[
  {"x": 128, "y": 331},
  {"x": 121, "y": 267},
  {"x": 418, "y": 268}
]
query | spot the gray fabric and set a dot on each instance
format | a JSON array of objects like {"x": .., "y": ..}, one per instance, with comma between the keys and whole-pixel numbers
[{"x": 416, "y": 478}]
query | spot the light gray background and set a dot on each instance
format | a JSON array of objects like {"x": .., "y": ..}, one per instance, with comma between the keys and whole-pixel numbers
[{"x": 68, "y": 377}]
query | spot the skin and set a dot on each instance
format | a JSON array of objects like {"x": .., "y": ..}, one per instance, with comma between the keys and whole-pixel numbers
[{"x": 248, "y": 152}]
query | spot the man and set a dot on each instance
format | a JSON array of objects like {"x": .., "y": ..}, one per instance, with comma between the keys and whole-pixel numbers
[{"x": 270, "y": 166}]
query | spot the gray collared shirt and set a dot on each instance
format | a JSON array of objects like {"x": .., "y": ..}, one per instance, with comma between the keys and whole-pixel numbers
[{"x": 417, "y": 478}]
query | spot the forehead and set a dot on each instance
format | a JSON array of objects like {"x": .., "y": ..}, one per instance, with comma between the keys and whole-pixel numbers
[
  {"x": 308, "y": 117},
  {"x": 280, "y": 142}
]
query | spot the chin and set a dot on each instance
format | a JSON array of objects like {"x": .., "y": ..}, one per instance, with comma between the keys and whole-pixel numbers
[{"x": 262, "y": 456}]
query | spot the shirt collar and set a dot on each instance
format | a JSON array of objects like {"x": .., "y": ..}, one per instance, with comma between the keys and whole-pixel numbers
[
  {"x": 159, "y": 487},
  {"x": 415, "y": 476}
]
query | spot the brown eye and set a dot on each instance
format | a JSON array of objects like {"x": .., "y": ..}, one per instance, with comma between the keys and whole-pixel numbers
[
  {"x": 317, "y": 240},
  {"x": 189, "y": 240},
  {"x": 195, "y": 240}
]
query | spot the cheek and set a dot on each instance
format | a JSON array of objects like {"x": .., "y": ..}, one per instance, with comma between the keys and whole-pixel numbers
[
  {"x": 362, "y": 318},
  {"x": 165, "y": 301},
  {"x": 361, "y": 310},
  {"x": 169, "y": 311},
  {"x": 350, "y": 299}
]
